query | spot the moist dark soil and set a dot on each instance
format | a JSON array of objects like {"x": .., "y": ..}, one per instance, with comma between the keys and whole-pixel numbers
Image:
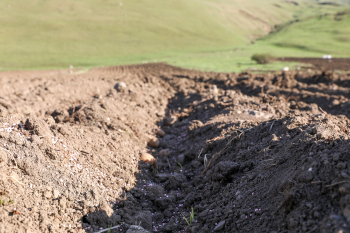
[
  {"x": 340, "y": 64},
  {"x": 244, "y": 152}
]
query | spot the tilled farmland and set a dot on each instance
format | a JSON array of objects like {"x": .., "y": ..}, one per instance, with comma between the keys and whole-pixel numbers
[{"x": 156, "y": 148}]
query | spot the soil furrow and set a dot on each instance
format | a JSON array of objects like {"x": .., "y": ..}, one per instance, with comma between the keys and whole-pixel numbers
[{"x": 238, "y": 152}]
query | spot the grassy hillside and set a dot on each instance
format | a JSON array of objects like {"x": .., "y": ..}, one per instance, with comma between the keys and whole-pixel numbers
[
  {"x": 312, "y": 37},
  {"x": 328, "y": 34},
  {"x": 54, "y": 34},
  {"x": 58, "y": 33}
]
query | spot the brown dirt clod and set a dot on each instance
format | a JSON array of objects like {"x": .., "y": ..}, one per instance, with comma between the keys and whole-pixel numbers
[
  {"x": 148, "y": 158},
  {"x": 164, "y": 153}
]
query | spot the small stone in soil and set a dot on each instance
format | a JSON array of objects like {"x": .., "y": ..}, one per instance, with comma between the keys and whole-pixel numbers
[
  {"x": 220, "y": 226},
  {"x": 120, "y": 86},
  {"x": 181, "y": 159},
  {"x": 160, "y": 133},
  {"x": 154, "y": 142}
]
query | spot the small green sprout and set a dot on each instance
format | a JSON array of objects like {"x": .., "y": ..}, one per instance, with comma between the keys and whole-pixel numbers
[{"x": 191, "y": 218}]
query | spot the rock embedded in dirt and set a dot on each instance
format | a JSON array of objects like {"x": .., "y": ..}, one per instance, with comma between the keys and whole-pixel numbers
[
  {"x": 148, "y": 158},
  {"x": 181, "y": 159},
  {"x": 120, "y": 86},
  {"x": 285, "y": 69},
  {"x": 154, "y": 142},
  {"x": 164, "y": 153},
  {"x": 160, "y": 133}
]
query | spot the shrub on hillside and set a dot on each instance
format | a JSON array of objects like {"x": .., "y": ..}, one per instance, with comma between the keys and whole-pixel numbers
[{"x": 262, "y": 58}]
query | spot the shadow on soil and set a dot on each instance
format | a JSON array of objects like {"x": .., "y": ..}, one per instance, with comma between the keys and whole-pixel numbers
[
  {"x": 258, "y": 177},
  {"x": 143, "y": 204}
]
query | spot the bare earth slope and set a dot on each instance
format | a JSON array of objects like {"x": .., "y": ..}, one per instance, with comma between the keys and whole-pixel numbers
[{"x": 248, "y": 152}]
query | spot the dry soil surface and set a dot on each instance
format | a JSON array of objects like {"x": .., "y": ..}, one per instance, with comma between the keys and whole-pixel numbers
[{"x": 237, "y": 152}]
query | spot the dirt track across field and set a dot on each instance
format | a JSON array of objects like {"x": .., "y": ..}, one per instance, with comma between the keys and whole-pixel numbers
[
  {"x": 246, "y": 152},
  {"x": 334, "y": 64}
]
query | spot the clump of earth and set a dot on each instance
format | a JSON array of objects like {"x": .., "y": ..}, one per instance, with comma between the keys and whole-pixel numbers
[{"x": 156, "y": 148}]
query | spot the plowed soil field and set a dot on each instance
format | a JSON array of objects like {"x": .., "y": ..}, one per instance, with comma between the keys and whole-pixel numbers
[
  {"x": 341, "y": 64},
  {"x": 156, "y": 148}
]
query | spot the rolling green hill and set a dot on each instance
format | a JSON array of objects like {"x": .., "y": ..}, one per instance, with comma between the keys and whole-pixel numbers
[
  {"x": 204, "y": 34},
  {"x": 312, "y": 37}
]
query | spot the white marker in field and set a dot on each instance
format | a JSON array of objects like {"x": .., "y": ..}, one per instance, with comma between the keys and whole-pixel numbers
[{"x": 327, "y": 57}]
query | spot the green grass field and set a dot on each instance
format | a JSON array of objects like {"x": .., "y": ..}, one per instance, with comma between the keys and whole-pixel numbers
[
  {"x": 201, "y": 34},
  {"x": 309, "y": 38}
]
